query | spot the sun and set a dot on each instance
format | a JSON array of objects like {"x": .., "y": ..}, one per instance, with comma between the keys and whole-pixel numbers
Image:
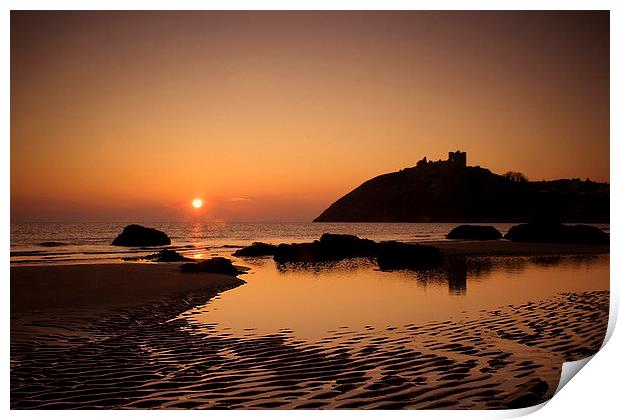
[{"x": 197, "y": 203}]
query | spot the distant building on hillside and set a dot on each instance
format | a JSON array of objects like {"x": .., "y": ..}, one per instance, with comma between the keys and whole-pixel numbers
[{"x": 456, "y": 159}]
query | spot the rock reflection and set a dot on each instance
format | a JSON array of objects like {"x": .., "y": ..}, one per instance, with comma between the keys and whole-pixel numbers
[
  {"x": 349, "y": 264},
  {"x": 453, "y": 274},
  {"x": 457, "y": 276}
]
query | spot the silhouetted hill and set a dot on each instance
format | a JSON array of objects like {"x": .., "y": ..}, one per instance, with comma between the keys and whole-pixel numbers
[{"x": 443, "y": 192}]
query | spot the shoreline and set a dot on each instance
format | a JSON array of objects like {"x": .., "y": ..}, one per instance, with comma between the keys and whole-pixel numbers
[
  {"x": 491, "y": 248},
  {"x": 502, "y": 247}
]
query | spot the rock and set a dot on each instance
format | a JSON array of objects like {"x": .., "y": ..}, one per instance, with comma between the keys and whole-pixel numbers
[
  {"x": 257, "y": 249},
  {"x": 329, "y": 248},
  {"x": 390, "y": 255},
  {"x": 136, "y": 235},
  {"x": 555, "y": 232},
  {"x": 394, "y": 255},
  {"x": 165, "y": 255},
  {"x": 219, "y": 265},
  {"x": 588, "y": 234},
  {"x": 332, "y": 247},
  {"x": 479, "y": 233},
  {"x": 304, "y": 252},
  {"x": 538, "y": 232},
  {"x": 52, "y": 244},
  {"x": 335, "y": 246}
]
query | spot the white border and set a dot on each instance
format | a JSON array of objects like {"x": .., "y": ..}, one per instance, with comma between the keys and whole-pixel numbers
[
  {"x": 309, "y": 5},
  {"x": 593, "y": 394}
]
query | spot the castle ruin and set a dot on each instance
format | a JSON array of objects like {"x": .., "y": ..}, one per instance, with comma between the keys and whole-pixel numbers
[{"x": 456, "y": 159}]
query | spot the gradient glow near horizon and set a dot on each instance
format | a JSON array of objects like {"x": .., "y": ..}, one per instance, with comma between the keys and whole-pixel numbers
[{"x": 271, "y": 116}]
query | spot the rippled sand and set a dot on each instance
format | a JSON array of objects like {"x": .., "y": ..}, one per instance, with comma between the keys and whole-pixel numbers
[{"x": 149, "y": 357}]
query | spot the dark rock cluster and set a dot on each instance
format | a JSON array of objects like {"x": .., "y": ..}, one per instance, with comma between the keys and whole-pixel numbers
[
  {"x": 331, "y": 247},
  {"x": 535, "y": 232},
  {"x": 555, "y": 232}
]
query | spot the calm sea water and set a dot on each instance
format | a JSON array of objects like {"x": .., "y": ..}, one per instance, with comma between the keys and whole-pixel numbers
[
  {"x": 307, "y": 301},
  {"x": 90, "y": 242}
]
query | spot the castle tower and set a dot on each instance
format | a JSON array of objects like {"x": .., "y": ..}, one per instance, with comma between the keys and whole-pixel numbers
[{"x": 457, "y": 159}]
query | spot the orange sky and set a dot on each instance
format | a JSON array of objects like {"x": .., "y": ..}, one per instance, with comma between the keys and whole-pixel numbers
[{"x": 271, "y": 116}]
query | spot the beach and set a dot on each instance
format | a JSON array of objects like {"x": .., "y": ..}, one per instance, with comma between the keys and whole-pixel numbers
[{"x": 126, "y": 336}]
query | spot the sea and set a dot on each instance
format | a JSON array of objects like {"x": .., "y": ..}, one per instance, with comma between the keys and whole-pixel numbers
[{"x": 37, "y": 243}]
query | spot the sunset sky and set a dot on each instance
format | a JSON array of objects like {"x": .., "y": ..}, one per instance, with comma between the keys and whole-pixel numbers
[{"x": 271, "y": 116}]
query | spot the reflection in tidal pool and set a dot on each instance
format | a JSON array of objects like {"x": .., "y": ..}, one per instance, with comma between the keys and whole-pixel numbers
[{"x": 311, "y": 300}]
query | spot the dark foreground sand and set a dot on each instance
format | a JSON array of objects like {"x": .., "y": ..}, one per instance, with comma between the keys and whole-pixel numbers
[
  {"x": 103, "y": 286},
  {"x": 63, "y": 299},
  {"x": 122, "y": 345}
]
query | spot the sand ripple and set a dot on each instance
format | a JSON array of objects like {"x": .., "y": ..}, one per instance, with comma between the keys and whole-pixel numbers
[{"x": 148, "y": 357}]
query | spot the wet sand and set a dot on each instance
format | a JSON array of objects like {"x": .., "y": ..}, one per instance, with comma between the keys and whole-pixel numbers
[
  {"x": 63, "y": 299},
  {"x": 502, "y": 247},
  {"x": 125, "y": 345}
]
